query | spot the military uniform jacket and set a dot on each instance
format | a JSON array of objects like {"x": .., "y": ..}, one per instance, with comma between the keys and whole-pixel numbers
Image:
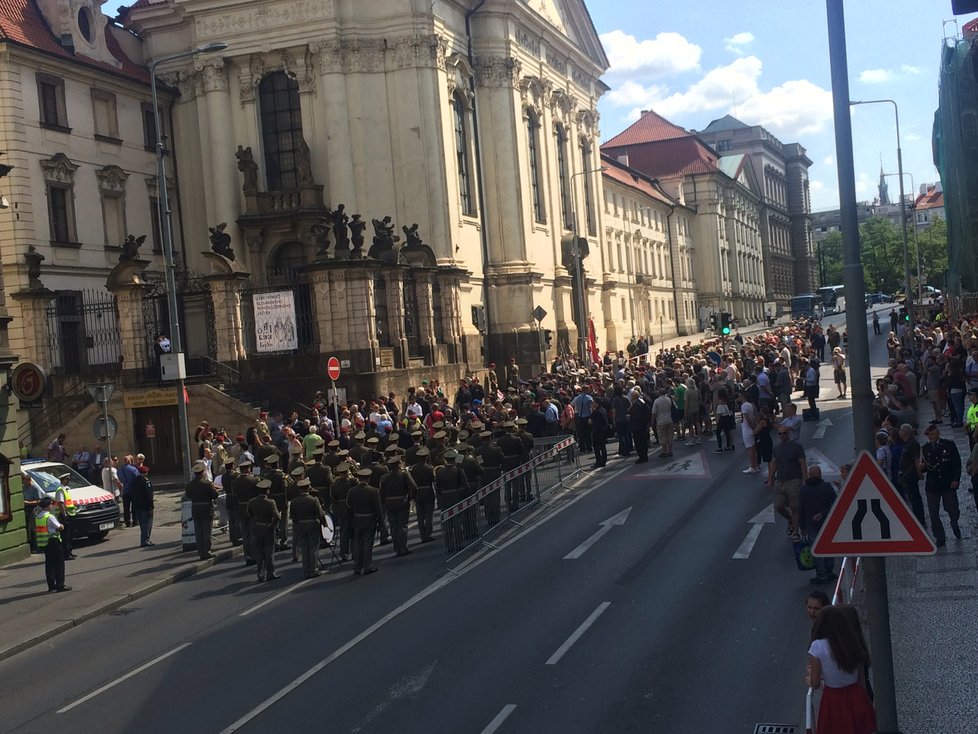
[
  {"x": 423, "y": 475},
  {"x": 379, "y": 470},
  {"x": 338, "y": 492},
  {"x": 396, "y": 490},
  {"x": 227, "y": 481},
  {"x": 278, "y": 488},
  {"x": 365, "y": 508},
  {"x": 245, "y": 489},
  {"x": 264, "y": 514},
  {"x": 513, "y": 451},
  {"x": 307, "y": 514},
  {"x": 450, "y": 485},
  {"x": 331, "y": 460},
  {"x": 358, "y": 452},
  {"x": 411, "y": 454},
  {"x": 320, "y": 477},
  {"x": 473, "y": 473},
  {"x": 437, "y": 448},
  {"x": 528, "y": 445},
  {"x": 201, "y": 494},
  {"x": 942, "y": 463}
]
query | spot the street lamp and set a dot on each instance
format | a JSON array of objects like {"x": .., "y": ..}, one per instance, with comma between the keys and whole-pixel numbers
[
  {"x": 916, "y": 242},
  {"x": 903, "y": 211},
  {"x": 169, "y": 263},
  {"x": 581, "y": 302}
]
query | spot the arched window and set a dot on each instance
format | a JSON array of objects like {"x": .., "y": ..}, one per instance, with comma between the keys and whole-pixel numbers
[
  {"x": 587, "y": 166},
  {"x": 281, "y": 130},
  {"x": 563, "y": 178},
  {"x": 461, "y": 124},
  {"x": 533, "y": 148},
  {"x": 288, "y": 258}
]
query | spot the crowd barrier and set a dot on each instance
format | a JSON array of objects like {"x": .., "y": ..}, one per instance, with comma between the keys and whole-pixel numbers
[
  {"x": 845, "y": 590},
  {"x": 469, "y": 522}
]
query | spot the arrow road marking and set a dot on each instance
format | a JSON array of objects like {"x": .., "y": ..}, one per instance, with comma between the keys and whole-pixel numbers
[
  {"x": 607, "y": 525},
  {"x": 822, "y": 427},
  {"x": 757, "y": 522}
]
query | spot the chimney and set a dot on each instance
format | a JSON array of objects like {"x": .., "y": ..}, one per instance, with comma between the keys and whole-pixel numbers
[{"x": 67, "y": 43}]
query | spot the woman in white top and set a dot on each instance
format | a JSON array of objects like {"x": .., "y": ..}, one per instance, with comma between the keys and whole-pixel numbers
[
  {"x": 837, "y": 657},
  {"x": 748, "y": 416}
]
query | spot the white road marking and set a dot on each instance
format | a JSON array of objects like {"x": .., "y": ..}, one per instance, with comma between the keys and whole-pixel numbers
[
  {"x": 758, "y": 522},
  {"x": 274, "y": 597},
  {"x": 413, "y": 601},
  {"x": 123, "y": 678},
  {"x": 822, "y": 428},
  {"x": 607, "y": 525},
  {"x": 500, "y": 718},
  {"x": 585, "y": 625}
]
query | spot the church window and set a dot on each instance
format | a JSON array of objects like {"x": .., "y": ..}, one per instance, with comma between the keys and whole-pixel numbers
[
  {"x": 281, "y": 129},
  {"x": 461, "y": 124},
  {"x": 533, "y": 147}
]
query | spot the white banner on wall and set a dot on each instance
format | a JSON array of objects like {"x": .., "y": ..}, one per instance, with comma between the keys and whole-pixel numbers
[{"x": 275, "y": 322}]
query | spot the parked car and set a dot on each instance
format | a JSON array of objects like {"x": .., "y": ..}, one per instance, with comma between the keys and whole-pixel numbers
[{"x": 98, "y": 510}]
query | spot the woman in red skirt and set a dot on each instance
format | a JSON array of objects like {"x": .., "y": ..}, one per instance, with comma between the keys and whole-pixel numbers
[{"x": 837, "y": 657}]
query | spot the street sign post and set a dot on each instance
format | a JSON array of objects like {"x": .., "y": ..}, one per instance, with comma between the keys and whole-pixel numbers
[
  {"x": 870, "y": 518},
  {"x": 333, "y": 370},
  {"x": 105, "y": 427}
]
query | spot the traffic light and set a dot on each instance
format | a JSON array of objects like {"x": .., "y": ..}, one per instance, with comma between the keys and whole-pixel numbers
[
  {"x": 548, "y": 337},
  {"x": 725, "y": 320}
]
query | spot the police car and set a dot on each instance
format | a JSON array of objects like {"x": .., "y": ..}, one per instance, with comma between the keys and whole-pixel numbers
[{"x": 97, "y": 509}]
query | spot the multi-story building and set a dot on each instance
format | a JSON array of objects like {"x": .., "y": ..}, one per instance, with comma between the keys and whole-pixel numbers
[
  {"x": 781, "y": 172},
  {"x": 728, "y": 257},
  {"x": 929, "y": 205},
  {"x": 647, "y": 259}
]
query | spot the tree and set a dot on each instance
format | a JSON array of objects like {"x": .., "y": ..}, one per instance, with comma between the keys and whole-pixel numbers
[
  {"x": 881, "y": 248},
  {"x": 830, "y": 259},
  {"x": 932, "y": 242}
]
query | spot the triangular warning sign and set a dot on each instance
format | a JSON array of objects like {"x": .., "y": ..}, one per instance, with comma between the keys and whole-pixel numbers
[{"x": 870, "y": 518}]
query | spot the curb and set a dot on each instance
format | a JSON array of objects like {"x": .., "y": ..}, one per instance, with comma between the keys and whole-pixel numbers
[{"x": 115, "y": 602}]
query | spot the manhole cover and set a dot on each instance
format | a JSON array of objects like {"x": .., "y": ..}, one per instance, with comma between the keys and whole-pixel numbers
[{"x": 776, "y": 729}]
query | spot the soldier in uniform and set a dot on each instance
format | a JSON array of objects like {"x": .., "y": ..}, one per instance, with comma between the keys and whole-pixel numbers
[
  {"x": 366, "y": 514},
  {"x": 397, "y": 489},
  {"x": 423, "y": 475},
  {"x": 436, "y": 447},
  {"x": 514, "y": 454},
  {"x": 450, "y": 487},
  {"x": 320, "y": 477},
  {"x": 942, "y": 462},
  {"x": 513, "y": 374},
  {"x": 332, "y": 458},
  {"x": 202, "y": 496},
  {"x": 296, "y": 474},
  {"x": 277, "y": 492},
  {"x": 307, "y": 519},
  {"x": 264, "y": 516},
  {"x": 492, "y": 468},
  {"x": 528, "y": 446},
  {"x": 411, "y": 453},
  {"x": 338, "y": 491},
  {"x": 473, "y": 475},
  {"x": 228, "y": 476},
  {"x": 359, "y": 447},
  {"x": 245, "y": 489},
  {"x": 295, "y": 459}
]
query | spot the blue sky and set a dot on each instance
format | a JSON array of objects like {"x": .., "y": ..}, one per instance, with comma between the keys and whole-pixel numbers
[{"x": 767, "y": 63}]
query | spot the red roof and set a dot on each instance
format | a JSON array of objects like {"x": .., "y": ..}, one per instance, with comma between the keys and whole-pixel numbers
[
  {"x": 970, "y": 29},
  {"x": 933, "y": 199},
  {"x": 649, "y": 128},
  {"x": 627, "y": 176},
  {"x": 22, "y": 23}
]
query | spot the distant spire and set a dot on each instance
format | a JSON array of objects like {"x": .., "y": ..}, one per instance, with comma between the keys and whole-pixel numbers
[{"x": 884, "y": 194}]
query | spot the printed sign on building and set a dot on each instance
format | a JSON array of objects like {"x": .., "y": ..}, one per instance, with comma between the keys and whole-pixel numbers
[{"x": 275, "y": 322}]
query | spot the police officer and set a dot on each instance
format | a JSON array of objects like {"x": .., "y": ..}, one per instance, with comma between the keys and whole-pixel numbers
[
  {"x": 202, "y": 496},
  {"x": 450, "y": 486},
  {"x": 942, "y": 462},
  {"x": 245, "y": 489},
  {"x": 264, "y": 516},
  {"x": 397, "y": 489},
  {"x": 366, "y": 514},
  {"x": 307, "y": 519},
  {"x": 338, "y": 492},
  {"x": 67, "y": 509},
  {"x": 48, "y": 530},
  {"x": 423, "y": 475},
  {"x": 277, "y": 492}
]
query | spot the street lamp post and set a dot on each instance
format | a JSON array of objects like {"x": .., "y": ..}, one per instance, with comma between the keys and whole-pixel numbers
[
  {"x": 903, "y": 210},
  {"x": 169, "y": 262},
  {"x": 916, "y": 242},
  {"x": 579, "y": 270}
]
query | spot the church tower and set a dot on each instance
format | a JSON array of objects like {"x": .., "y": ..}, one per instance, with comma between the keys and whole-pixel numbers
[{"x": 884, "y": 194}]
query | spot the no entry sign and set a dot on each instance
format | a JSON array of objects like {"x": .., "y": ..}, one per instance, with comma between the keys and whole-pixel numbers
[{"x": 333, "y": 368}]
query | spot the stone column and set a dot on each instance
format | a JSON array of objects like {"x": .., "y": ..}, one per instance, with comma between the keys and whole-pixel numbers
[
  {"x": 132, "y": 325},
  {"x": 356, "y": 322},
  {"x": 36, "y": 340},
  {"x": 394, "y": 279},
  {"x": 321, "y": 281},
  {"x": 219, "y": 161},
  {"x": 225, "y": 295},
  {"x": 423, "y": 281}
]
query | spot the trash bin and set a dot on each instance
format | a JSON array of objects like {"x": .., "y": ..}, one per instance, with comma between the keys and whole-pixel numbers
[{"x": 187, "y": 536}]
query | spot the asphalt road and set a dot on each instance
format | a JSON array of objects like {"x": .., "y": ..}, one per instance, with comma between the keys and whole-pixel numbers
[{"x": 653, "y": 627}]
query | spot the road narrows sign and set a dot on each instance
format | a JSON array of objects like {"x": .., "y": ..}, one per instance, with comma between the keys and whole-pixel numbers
[
  {"x": 333, "y": 368},
  {"x": 870, "y": 518}
]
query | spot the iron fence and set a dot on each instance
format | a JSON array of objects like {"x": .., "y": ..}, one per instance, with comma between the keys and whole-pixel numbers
[
  {"x": 299, "y": 322},
  {"x": 472, "y": 521},
  {"x": 83, "y": 332}
]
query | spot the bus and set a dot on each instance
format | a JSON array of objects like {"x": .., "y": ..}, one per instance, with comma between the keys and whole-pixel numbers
[
  {"x": 833, "y": 298},
  {"x": 807, "y": 305}
]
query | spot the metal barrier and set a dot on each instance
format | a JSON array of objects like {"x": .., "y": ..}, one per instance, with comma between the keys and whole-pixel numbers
[
  {"x": 463, "y": 526},
  {"x": 844, "y": 593}
]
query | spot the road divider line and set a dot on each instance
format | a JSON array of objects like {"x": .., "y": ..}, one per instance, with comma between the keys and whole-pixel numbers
[
  {"x": 123, "y": 678},
  {"x": 500, "y": 718},
  {"x": 585, "y": 626},
  {"x": 274, "y": 597}
]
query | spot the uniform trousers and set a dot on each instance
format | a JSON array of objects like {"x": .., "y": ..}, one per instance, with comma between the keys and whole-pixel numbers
[
  {"x": 309, "y": 551},
  {"x": 398, "y": 521},
  {"x": 263, "y": 549},
  {"x": 234, "y": 524},
  {"x": 425, "y": 510},
  {"x": 363, "y": 548},
  {"x": 949, "y": 498},
  {"x": 68, "y": 521},
  {"x": 247, "y": 541},
  {"x": 202, "y": 531},
  {"x": 282, "y": 530},
  {"x": 54, "y": 564}
]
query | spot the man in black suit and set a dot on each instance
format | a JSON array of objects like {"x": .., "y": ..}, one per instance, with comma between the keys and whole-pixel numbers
[{"x": 942, "y": 463}]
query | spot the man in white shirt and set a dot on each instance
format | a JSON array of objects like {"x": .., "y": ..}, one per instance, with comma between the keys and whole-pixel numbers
[{"x": 748, "y": 416}]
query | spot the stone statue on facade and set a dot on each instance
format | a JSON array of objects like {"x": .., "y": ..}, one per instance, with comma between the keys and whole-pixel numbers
[
  {"x": 34, "y": 260},
  {"x": 411, "y": 237},
  {"x": 247, "y": 165},
  {"x": 130, "y": 248},
  {"x": 221, "y": 240},
  {"x": 341, "y": 236},
  {"x": 320, "y": 231},
  {"x": 303, "y": 164},
  {"x": 357, "y": 226},
  {"x": 384, "y": 241}
]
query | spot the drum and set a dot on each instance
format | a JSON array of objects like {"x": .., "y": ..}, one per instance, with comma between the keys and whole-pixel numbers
[{"x": 328, "y": 530}]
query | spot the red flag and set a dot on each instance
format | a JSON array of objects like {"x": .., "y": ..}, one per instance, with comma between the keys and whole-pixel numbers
[
  {"x": 592, "y": 342},
  {"x": 186, "y": 396}
]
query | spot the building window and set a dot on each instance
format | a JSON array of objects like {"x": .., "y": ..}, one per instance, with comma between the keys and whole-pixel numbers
[
  {"x": 281, "y": 129},
  {"x": 587, "y": 165},
  {"x": 381, "y": 329},
  {"x": 149, "y": 127},
  {"x": 564, "y": 178},
  {"x": 114, "y": 218},
  {"x": 436, "y": 313},
  {"x": 723, "y": 145},
  {"x": 51, "y": 99},
  {"x": 61, "y": 213},
  {"x": 85, "y": 24},
  {"x": 461, "y": 124},
  {"x": 533, "y": 145},
  {"x": 155, "y": 225},
  {"x": 104, "y": 114}
]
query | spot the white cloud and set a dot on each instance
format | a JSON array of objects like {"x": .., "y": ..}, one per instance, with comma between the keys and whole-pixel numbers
[
  {"x": 875, "y": 76},
  {"x": 735, "y": 44},
  {"x": 815, "y": 186},
  {"x": 907, "y": 69},
  {"x": 793, "y": 110},
  {"x": 719, "y": 88},
  {"x": 829, "y": 160},
  {"x": 666, "y": 54},
  {"x": 634, "y": 95},
  {"x": 865, "y": 183}
]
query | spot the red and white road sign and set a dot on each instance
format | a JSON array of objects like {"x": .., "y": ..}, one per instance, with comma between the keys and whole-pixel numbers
[
  {"x": 333, "y": 368},
  {"x": 870, "y": 518}
]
